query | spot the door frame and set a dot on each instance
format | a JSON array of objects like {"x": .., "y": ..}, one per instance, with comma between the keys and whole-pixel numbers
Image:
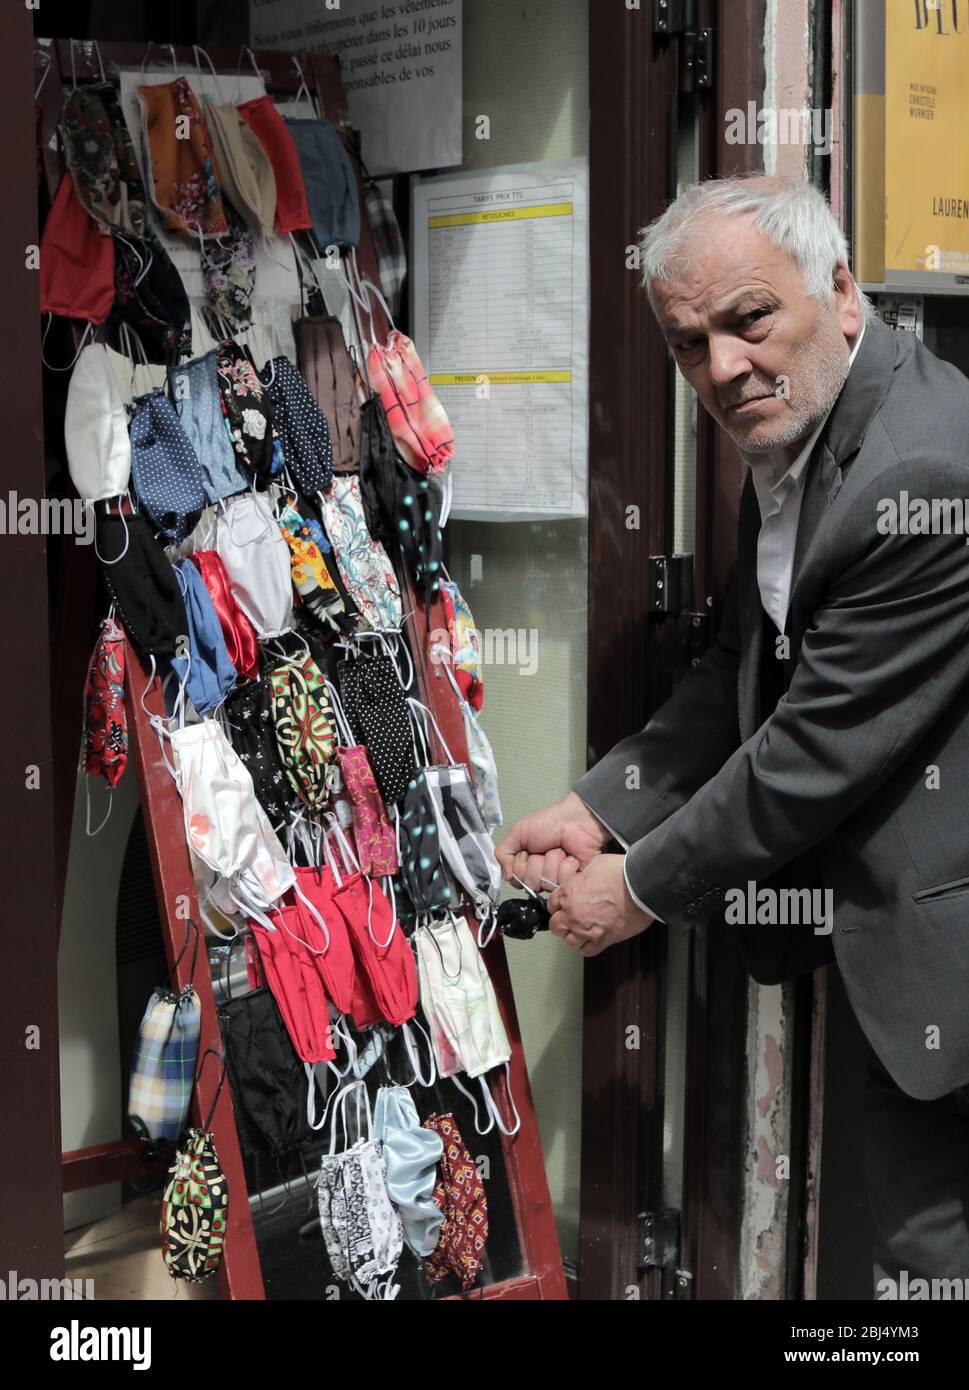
[{"x": 632, "y": 96}]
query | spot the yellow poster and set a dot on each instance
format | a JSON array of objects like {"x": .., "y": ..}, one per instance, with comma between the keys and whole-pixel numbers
[{"x": 927, "y": 136}]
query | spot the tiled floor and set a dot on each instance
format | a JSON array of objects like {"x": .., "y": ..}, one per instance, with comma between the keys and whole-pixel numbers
[{"x": 122, "y": 1254}]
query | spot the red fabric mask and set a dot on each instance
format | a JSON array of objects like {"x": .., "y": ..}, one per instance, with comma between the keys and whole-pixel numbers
[
  {"x": 461, "y": 1196},
  {"x": 297, "y": 988},
  {"x": 76, "y": 261},
  {"x": 391, "y": 968},
  {"x": 372, "y": 831},
  {"x": 241, "y": 641},
  {"x": 105, "y": 722},
  {"x": 292, "y": 209}
]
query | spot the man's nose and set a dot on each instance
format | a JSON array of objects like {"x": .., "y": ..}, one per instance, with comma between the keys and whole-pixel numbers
[{"x": 728, "y": 361}]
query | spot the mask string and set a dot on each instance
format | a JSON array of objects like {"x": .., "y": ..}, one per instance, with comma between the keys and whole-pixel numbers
[
  {"x": 197, "y": 49},
  {"x": 380, "y": 945},
  {"x": 492, "y": 917},
  {"x": 127, "y": 538},
  {"x": 223, "y": 936},
  {"x": 492, "y": 1104},
  {"x": 416, "y": 704},
  {"x": 471, "y": 1098},
  {"x": 326, "y": 931},
  {"x": 339, "y": 714},
  {"x": 413, "y": 1056},
  {"x": 80, "y": 347}
]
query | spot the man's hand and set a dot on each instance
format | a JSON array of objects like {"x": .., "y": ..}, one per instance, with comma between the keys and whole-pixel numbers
[
  {"x": 591, "y": 909},
  {"x": 538, "y": 846}
]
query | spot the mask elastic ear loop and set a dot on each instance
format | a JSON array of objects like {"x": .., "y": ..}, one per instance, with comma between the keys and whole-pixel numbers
[
  {"x": 339, "y": 714},
  {"x": 417, "y": 704},
  {"x": 448, "y": 497},
  {"x": 197, "y": 49},
  {"x": 255, "y": 66},
  {"x": 304, "y": 88},
  {"x": 87, "y": 819},
  {"x": 432, "y": 937},
  {"x": 380, "y": 945},
  {"x": 48, "y": 64},
  {"x": 127, "y": 539},
  {"x": 490, "y": 916},
  {"x": 223, "y": 936},
  {"x": 413, "y": 1055},
  {"x": 80, "y": 347},
  {"x": 488, "y": 1111},
  {"x": 492, "y": 1104}
]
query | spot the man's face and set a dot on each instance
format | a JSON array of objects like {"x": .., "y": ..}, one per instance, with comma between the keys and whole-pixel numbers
[{"x": 765, "y": 359}]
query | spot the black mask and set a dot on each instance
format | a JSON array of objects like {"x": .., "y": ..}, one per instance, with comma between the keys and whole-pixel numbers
[{"x": 142, "y": 584}]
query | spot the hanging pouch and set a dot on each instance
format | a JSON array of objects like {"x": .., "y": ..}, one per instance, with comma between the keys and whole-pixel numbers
[
  {"x": 195, "y": 1205},
  {"x": 163, "y": 1068}
]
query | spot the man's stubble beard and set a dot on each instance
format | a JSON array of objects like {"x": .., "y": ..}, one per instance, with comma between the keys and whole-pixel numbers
[{"x": 820, "y": 370}]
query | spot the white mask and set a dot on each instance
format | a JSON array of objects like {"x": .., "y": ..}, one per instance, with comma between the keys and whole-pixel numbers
[
  {"x": 96, "y": 429},
  {"x": 256, "y": 559}
]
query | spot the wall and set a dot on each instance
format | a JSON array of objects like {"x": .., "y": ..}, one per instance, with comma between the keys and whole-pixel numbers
[{"x": 526, "y": 66}]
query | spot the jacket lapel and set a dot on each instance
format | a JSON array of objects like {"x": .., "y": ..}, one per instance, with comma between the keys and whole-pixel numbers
[{"x": 860, "y": 399}]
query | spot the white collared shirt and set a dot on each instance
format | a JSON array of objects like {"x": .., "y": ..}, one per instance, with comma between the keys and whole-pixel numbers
[{"x": 779, "y": 499}]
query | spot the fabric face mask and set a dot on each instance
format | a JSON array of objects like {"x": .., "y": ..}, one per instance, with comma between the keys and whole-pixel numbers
[
  {"x": 247, "y": 411},
  {"x": 249, "y": 716},
  {"x": 96, "y": 429},
  {"x": 105, "y": 749},
  {"x": 101, "y": 160},
  {"x": 207, "y": 672},
  {"x": 224, "y": 824},
  {"x": 311, "y": 577},
  {"x": 465, "y": 842},
  {"x": 182, "y": 171},
  {"x": 399, "y": 506},
  {"x": 330, "y": 182},
  {"x": 229, "y": 272},
  {"x": 378, "y": 715},
  {"x": 412, "y": 1153},
  {"x": 165, "y": 470},
  {"x": 461, "y": 1197},
  {"x": 458, "y": 1000},
  {"x": 372, "y": 832},
  {"x": 76, "y": 261},
  {"x": 325, "y": 364},
  {"x": 240, "y": 639},
  {"x": 198, "y": 402},
  {"x": 485, "y": 774},
  {"x": 421, "y": 863},
  {"x": 292, "y": 211},
  {"x": 256, "y": 559},
  {"x": 465, "y": 645},
  {"x": 265, "y": 1076},
  {"x": 245, "y": 173},
  {"x": 297, "y": 987},
  {"x": 142, "y": 584},
  {"x": 362, "y": 1232},
  {"x": 149, "y": 297},
  {"x": 304, "y": 729},
  {"x": 416, "y": 417},
  {"x": 381, "y": 950},
  {"x": 388, "y": 244},
  {"x": 362, "y": 561},
  {"x": 301, "y": 425}
]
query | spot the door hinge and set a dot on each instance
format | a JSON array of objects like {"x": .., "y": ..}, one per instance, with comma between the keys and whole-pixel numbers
[
  {"x": 658, "y": 1247},
  {"x": 677, "y": 18},
  {"x": 670, "y": 583}
]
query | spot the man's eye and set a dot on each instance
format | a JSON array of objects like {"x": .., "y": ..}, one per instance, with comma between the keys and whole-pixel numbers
[{"x": 754, "y": 315}]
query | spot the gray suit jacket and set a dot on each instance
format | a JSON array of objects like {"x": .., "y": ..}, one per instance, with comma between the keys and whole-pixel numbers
[{"x": 835, "y": 787}]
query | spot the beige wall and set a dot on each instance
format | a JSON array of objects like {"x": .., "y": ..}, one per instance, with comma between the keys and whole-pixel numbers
[{"x": 525, "y": 66}]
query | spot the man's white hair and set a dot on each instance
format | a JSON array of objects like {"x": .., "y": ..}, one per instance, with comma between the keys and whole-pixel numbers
[{"x": 791, "y": 213}]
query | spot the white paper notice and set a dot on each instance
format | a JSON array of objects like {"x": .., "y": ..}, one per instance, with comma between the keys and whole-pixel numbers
[
  {"x": 401, "y": 65},
  {"x": 501, "y": 324}
]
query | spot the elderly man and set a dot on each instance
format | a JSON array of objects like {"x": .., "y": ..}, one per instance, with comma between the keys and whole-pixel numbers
[{"x": 823, "y": 741}]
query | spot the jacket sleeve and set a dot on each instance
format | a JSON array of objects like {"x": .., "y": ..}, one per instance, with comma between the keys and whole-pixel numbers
[
  {"x": 884, "y": 657},
  {"x": 652, "y": 773}
]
